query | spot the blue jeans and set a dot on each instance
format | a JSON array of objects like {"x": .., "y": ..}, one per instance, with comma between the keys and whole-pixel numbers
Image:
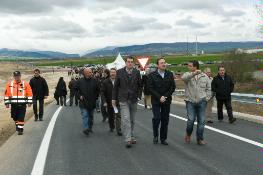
[
  {"x": 86, "y": 118},
  {"x": 196, "y": 110}
]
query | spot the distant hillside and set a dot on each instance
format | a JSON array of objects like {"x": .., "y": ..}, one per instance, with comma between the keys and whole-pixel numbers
[
  {"x": 174, "y": 48},
  {"x": 35, "y": 54}
]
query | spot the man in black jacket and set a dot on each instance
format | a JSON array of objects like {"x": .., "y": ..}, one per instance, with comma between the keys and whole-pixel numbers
[
  {"x": 161, "y": 85},
  {"x": 88, "y": 91},
  {"x": 73, "y": 93},
  {"x": 127, "y": 90},
  {"x": 223, "y": 86},
  {"x": 146, "y": 91},
  {"x": 40, "y": 92},
  {"x": 106, "y": 95}
]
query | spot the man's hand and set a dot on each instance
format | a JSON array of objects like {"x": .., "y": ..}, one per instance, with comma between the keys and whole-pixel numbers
[
  {"x": 162, "y": 99},
  {"x": 45, "y": 97},
  {"x": 7, "y": 106},
  {"x": 105, "y": 104},
  {"x": 113, "y": 102},
  {"x": 81, "y": 98},
  {"x": 29, "y": 105}
]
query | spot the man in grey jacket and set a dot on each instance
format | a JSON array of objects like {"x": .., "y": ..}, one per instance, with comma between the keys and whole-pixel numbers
[
  {"x": 197, "y": 92},
  {"x": 127, "y": 90}
]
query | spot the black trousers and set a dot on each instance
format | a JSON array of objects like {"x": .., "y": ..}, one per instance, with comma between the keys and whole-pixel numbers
[
  {"x": 160, "y": 115},
  {"x": 91, "y": 119},
  {"x": 41, "y": 108},
  {"x": 57, "y": 99},
  {"x": 62, "y": 100},
  {"x": 228, "y": 106},
  {"x": 18, "y": 113},
  {"x": 114, "y": 119},
  {"x": 71, "y": 97},
  {"x": 103, "y": 110}
]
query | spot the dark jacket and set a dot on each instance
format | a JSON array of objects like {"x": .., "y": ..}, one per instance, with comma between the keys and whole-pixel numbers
[
  {"x": 223, "y": 88},
  {"x": 61, "y": 88},
  {"x": 72, "y": 86},
  {"x": 39, "y": 87},
  {"x": 89, "y": 89},
  {"x": 127, "y": 87},
  {"x": 106, "y": 91},
  {"x": 159, "y": 86},
  {"x": 146, "y": 90}
]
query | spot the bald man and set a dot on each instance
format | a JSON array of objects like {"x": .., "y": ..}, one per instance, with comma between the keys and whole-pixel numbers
[{"x": 88, "y": 90}]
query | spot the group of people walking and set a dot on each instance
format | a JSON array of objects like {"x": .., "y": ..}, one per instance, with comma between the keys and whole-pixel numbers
[{"x": 119, "y": 92}]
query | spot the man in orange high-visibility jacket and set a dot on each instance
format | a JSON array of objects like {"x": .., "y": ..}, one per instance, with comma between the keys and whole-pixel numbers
[{"x": 18, "y": 94}]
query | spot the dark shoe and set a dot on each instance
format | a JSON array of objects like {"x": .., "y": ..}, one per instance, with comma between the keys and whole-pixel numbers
[
  {"x": 35, "y": 119},
  {"x": 41, "y": 119},
  {"x": 90, "y": 130},
  {"x": 232, "y": 120},
  {"x": 155, "y": 140},
  {"x": 164, "y": 142},
  {"x": 86, "y": 132},
  {"x": 187, "y": 139},
  {"x": 111, "y": 130},
  {"x": 128, "y": 144},
  {"x": 210, "y": 121},
  {"x": 201, "y": 142},
  {"x": 20, "y": 133},
  {"x": 220, "y": 120},
  {"x": 145, "y": 107},
  {"x": 134, "y": 141},
  {"x": 119, "y": 133}
]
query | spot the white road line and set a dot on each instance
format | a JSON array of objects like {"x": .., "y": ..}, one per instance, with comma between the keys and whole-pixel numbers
[
  {"x": 243, "y": 139},
  {"x": 39, "y": 165}
]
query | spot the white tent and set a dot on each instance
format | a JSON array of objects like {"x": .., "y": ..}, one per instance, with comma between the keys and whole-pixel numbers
[{"x": 117, "y": 64}]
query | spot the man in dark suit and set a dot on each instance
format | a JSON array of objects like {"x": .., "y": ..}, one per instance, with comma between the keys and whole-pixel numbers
[
  {"x": 223, "y": 86},
  {"x": 127, "y": 90},
  {"x": 40, "y": 92},
  {"x": 106, "y": 95},
  {"x": 161, "y": 85}
]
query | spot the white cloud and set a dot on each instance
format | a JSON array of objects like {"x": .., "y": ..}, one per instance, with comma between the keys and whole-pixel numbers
[{"x": 77, "y": 26}]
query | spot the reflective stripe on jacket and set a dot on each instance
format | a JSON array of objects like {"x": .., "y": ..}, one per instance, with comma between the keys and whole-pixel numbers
[{"x": 18, "y": 93}]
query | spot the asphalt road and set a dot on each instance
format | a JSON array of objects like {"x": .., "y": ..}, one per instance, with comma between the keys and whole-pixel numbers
[{"x": 70, "y": 152}]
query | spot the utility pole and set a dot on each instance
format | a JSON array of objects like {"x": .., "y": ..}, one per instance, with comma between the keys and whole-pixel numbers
[
  {"x": 196, "y": 47},
  {"x": 187, "y": 45}
]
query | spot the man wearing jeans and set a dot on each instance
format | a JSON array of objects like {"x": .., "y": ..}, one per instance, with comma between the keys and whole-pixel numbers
[
  {"x": 161, "y": 85},
  {"x": 197, "y": 92},
  {"x": 127, "y": 90},
  {"x": 88, "y": 90}
]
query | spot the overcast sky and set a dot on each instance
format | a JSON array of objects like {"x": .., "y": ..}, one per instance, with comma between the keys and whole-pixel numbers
[{"x": 75, "y": 26}]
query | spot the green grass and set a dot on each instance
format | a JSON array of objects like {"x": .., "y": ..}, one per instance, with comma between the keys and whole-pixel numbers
[
  {"x": 182, "y": 69},
  {"x": 169, "y": 59},
  {"x": 182, "y": 59},
  {"x": 74, "y": 62}
]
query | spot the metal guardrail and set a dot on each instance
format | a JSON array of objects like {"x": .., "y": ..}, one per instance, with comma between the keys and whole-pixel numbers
[{"x": 238, "y": 97}]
